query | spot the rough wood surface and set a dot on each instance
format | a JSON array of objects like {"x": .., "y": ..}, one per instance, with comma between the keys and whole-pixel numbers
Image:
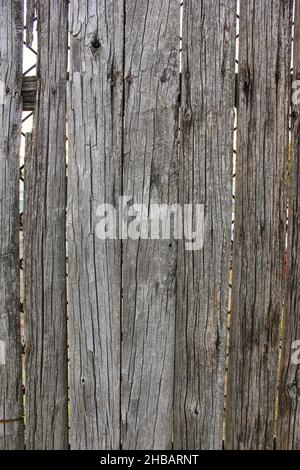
[
  {"x": 147, "y": 324},
  {"x": 94, "y": 177},
  {"x": 207, "y": 118},
  {"x": 150, "y": 176},
  {"x": 260, "y": 220},
  {"x": 288, "y": 433},
  {"x": 30, "y": 12},
  {"x": 11, "y": 43},
  {"x": 44, "y": 238}
]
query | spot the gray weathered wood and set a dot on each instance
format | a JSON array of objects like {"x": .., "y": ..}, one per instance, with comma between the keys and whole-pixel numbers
[
  {"x": 288, "y": 432},
  {"x": 44, "y": 240},
  {"x": 207, "y": 118},
  {"x": 260, "y": 220},
  {"x": 30, "y": 12},
  {"x": 150, "y": 176},
  {"x": 94, "y": 177},
  {"x": 11, "y": 43}
]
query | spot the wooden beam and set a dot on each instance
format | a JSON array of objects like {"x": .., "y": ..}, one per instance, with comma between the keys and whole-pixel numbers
[
  {"x": 44, "y": 239},
  {"x": 95, "y": 132},
  {"x": 207, "y": 121},
  {"x": 150, "y": 175},
  {"x": 260, "y": 223},
  {"x": 11, "y": 44},
  {"x": 288, "y": 432}
]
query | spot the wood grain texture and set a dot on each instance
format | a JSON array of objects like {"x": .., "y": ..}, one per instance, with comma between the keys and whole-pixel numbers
[
  {"x": 44, "y": 240},
  {"x": 288, "y": 432},
  {"x": 11, "y": 43},
  {"x": 207, "y": 115},
  {"x": 30, "y": 13},
  {"x": 94, "y": 177},
  {"x": 150, "y": 177},
  {"x": 260, "y": 221}
]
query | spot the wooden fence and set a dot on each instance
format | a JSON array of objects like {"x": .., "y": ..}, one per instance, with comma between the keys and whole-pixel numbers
[{"x": 140, "y": 344}]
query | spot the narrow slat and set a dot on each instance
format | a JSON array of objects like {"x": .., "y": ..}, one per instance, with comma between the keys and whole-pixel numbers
[
  {"x": 94, "y": 177},
  {"x": 30, "y": 12},
  {"x": 11, "y": 43},
  {"x": 44, "y": 239},
  {"x": 207, "y": 119},
  {"x": 288, "y": 434},
  {"x": 260, "y": 222},
  {"x": 149, "y": 266}
]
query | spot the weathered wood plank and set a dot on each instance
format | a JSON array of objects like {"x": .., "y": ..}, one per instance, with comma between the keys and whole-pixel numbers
[
  {"x": 150, "y": 177},
  {"x": 44, "y": 239},
  {"x": 288, "y": 433},
  {"x": 207, "y": 119},
  {"x": 94, "y": 177},
  {"x": 30, "y": 12},
  {"x": 11, "y": 43},
  {"x": 262, "y": 146}
]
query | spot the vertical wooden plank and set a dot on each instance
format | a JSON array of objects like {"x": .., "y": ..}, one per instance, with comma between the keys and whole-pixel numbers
[
  {"x": 44, "y": 239},
  {"x": 94, "y": 177},
  {"x": 11, "y": 44},
  {"x": 262, "y": 146},
  {"x": 150, "y": 176},
  {"x": 207, "y": 118},
  {"x": 30, "y": 12},
  {"x": 288, "y": 433}
]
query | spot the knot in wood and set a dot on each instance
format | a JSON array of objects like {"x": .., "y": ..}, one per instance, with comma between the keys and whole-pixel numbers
[{"x": 95, "y": 44}]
